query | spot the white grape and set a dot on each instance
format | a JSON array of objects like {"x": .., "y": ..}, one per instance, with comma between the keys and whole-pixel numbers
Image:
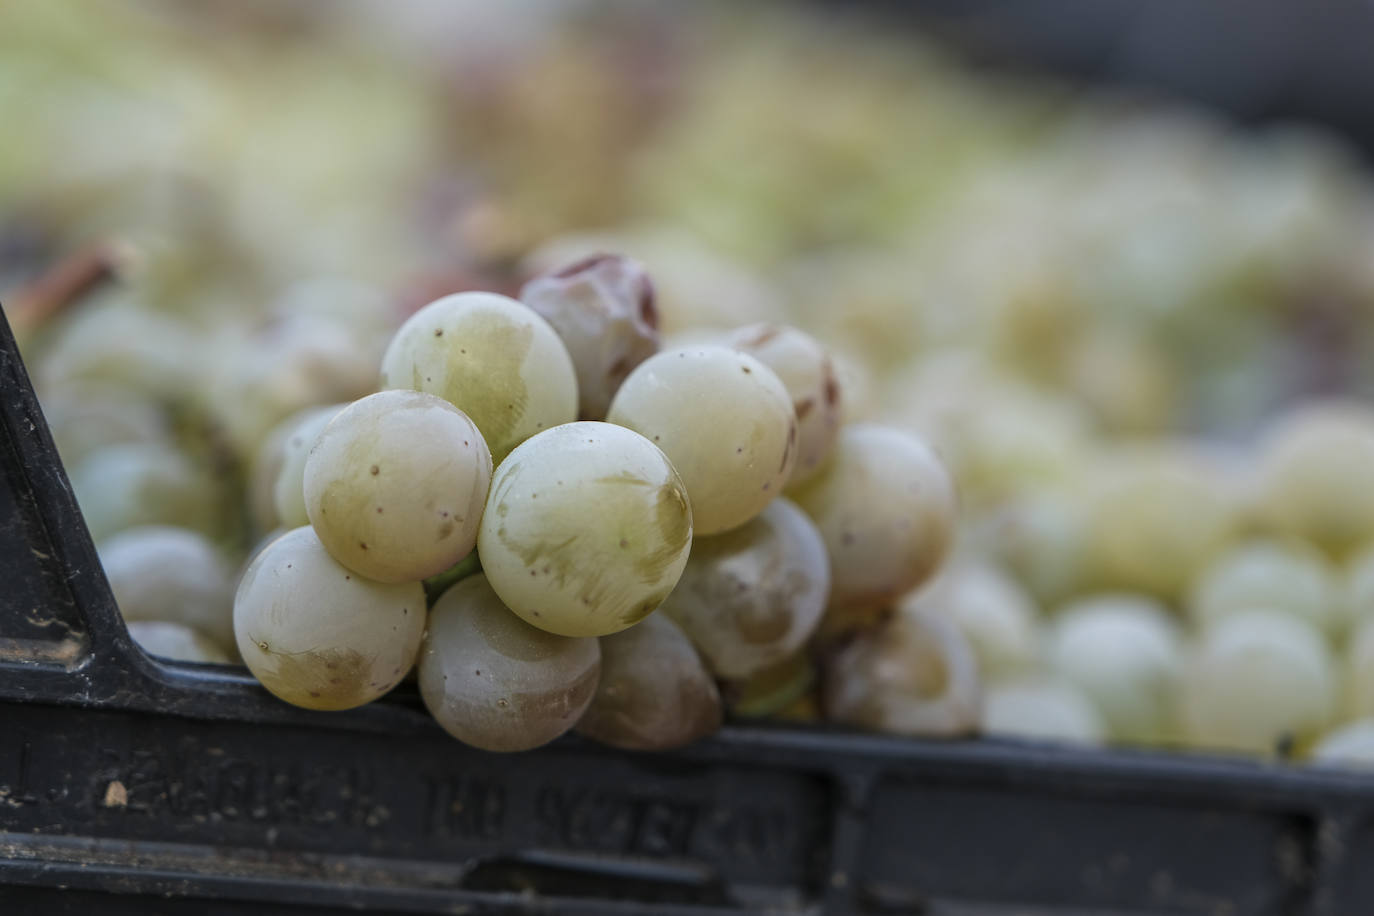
[
  {"x": 654, "y": 692},
  {"x": 996, "y": 615},
  {"x": 1290, "y": 578},
  {"x": 395, "y": 485},
  {"x": 586, "y": 530},
  {"x": 1125, "y": 653},
  {"x": 1350, "y": 746},
  {"x": 300, "y": 431},
  {"x": 886, "y": 508},
  {"x": 177, "y": 641},
  {"x": 806, "y": 370},
  {"x": 725, "y": 421},
  {"x": 318, "y": 635},
  {"x": 495, "y": 682},
  {"x": 1043, "y": 710},
  {"x": 916, "y": 675},
  {"x": 1257, "y": 679},
  {"x": 493, "y": 358},
  {"x": 1317, "y": 475},
  {"x": 122, "y": 486},
  {"x": 159, "y": 572}
]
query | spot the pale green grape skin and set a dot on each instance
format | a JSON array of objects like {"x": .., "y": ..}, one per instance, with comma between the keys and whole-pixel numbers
[
  {"x": 319, "y": 635},
  {"x": 395, "y": 485},
  {"x": 1358, "y": 664},
  {"x": 886, "y": 509},
  {"x": 1357, "y": 588},
  {"x": 603, "y": 310},
  {"x": 586, "y": 530},
  {"x": 288, "y": 490},
  {"x": 160, "y": 572},
  {"x": 725, "y": 421},
  {"x": 123, "y": 486},
  {"x": 654, "y": 693},
  {"x": 1124, "y": 652},
  {"x": 915, "y": 675},
  {"x": 751, "y": 597},
  {"x": 177, "y": 641},
  {"x": 1351, "y": 746},
  {"x": 1042, "y": 539},
  {"x": 1042, "y": 710},
  {"x": 495, "y": 682},
  {"x": 1156, "y": 518},
  {"x": 493, "y": 358},
  {"x": 84, "y": 417},
  {"x": 807, "y": 371},
  {"x": 1317, "y": 476},
  {"x": 1290, "y": 578},
  {"x": 996, "y": 615},
  {"x": 1256, "y": 680}
]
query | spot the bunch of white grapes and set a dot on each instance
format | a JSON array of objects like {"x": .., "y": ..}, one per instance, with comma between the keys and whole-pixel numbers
[{"x": 558, "y": 524}]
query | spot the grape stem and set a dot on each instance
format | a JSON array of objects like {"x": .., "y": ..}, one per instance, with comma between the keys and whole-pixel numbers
[{"x": 66, "y": 283}]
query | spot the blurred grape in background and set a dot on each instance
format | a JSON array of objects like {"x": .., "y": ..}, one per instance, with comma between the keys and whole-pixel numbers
[{"x": 1140, "y": 336}]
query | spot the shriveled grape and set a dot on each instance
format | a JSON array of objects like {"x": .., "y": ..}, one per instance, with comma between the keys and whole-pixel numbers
[
  {"x": 751, "y": 597},
  {"x": 603, "y": 310}
]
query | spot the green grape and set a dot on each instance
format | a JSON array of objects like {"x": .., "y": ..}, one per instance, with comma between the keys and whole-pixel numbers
[
  {"x": 586, "y": 530},
  {"x": 915, "y": 675},
  {"x": 1124, "y": 653},
  {"x": 654, "y": 693},
  {"x": 1156, "y": 519},
  {"x": 260, "y": 378},
  {"x": 263, "y": 471},
  {"x": 725, "y": 421},
  {"x": 319, "y": 635},
  {"x": 1350, "y": 746},
  {"x": 85, "y": 417},
  {"x": 122, "y": 486},
  {"x": 177, "y": 641},
  {"x": 1357, "y": 588},
  {"x": 994, "y": 613},
  {"x": 1041, "y": 537},
  {"x": 751, "y": 597},
  {"x": 493, "y": 358},
  {"x": 1042, "y": 710},
  {"x": 1290, "y": 578},
  {"x": 300, "y": 431},
  {"x": 1358, "y": 671},
  {"x": 495, "y": 682},
  {"x": 603, "y": 310},
  {"x": 806, "y": 370},
  {"x": 772, "y": 690},
  {"x": 885, "y": 507},
  {"x": 158, "y": 572},
  {"x": 1317, "y": 475},
  {"x": 1256, "y": 680},
  {"x": 395, "y": 485},
  {"x": 113, "y": 342}
]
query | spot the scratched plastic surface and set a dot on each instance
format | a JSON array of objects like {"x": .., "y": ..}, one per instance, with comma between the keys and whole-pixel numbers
[{"x": 128, "y": 786}]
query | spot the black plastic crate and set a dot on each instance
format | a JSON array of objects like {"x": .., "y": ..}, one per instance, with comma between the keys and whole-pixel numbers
[{"x": 130, "y": 785}]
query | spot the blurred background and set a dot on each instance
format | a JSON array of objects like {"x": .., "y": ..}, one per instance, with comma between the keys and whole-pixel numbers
[{"x": 1045, "y": 235}]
